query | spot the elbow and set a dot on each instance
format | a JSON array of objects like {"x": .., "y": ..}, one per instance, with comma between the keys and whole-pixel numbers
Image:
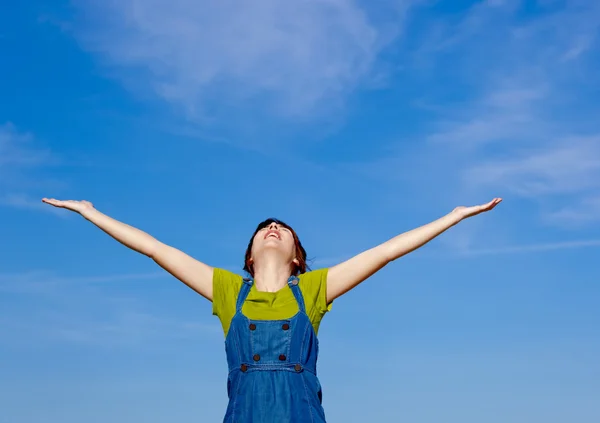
[
  {"x": 154, "y": 250},
  {"x": 387, "y": 254}
]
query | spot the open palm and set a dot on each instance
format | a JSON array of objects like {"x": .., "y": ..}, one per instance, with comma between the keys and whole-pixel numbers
[
  {"x": 73, "y": 205},
  {"x": 465, "y": 212}
]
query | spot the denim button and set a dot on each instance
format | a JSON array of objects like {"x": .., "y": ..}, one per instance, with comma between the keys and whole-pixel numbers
[
  {"x": 282, "y": 357},
  {"x": 297, "y": 367},
  {"x": 252, "y": 326},
  {"x": 256, "y": 357},
  {"x": 285, "y": 326},
  {"x": 243, "y": 368}
]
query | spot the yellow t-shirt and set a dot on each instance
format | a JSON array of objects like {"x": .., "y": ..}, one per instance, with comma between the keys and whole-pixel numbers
[{"x": 270, "y": 305}]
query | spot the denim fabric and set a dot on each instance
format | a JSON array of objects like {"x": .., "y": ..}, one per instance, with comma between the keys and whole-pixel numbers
[{"x": 273, "y": 367}]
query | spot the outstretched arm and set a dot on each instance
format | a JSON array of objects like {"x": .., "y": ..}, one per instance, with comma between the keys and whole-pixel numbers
[
  {"x": 188, "y": 270},
  {"x": 345, "y": 276}
]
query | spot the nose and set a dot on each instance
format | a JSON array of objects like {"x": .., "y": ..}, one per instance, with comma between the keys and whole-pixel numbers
[{"x": 273, "y": 225}]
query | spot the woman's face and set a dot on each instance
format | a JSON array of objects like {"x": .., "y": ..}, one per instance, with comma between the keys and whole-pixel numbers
[{"x": 274, "y": 237}]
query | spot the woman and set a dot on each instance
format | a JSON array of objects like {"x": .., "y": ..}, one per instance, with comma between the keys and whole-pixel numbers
[{"x": 271, "y": 319}]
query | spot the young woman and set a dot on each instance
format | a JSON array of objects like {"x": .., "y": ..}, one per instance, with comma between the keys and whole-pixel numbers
[{"x": 271, "y": 319}]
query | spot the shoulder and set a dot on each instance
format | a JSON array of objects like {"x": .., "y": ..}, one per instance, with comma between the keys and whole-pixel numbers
[
  {"x": 226, "y": 283},
  {"x": 313, "y": 282},
  {"x": 313, "y": 285},
  {"x": 226, "y": 286},
  {"x": 226, "y": 276},
  {"x": 314, "y": 276}
]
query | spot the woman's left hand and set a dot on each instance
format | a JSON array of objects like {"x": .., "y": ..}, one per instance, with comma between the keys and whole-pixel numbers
[{"x": 464, "y": 212}]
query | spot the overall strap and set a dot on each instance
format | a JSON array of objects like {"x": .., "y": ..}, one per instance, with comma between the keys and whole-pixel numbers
[
  {"x": 244, "y": 291},
  {"x": 293, "y": 284}
]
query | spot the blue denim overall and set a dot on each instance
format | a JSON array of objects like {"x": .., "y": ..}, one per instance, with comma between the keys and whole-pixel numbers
[{"x": 272, "y": 367}]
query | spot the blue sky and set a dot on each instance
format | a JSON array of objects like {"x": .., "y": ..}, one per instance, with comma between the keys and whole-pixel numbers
[{"x": 353, "y": 122}]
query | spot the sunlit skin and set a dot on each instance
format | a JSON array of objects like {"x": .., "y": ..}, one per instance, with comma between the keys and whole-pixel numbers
[
  {"x": 273, "y": 257},
  {"x": 273, "y": 252}
]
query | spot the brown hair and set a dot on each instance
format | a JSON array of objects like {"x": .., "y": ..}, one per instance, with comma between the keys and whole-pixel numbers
[{"x": 302, "y": 267}]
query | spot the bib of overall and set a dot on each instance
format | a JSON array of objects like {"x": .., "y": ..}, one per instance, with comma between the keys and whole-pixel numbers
[{"x": 272, "y": 367}]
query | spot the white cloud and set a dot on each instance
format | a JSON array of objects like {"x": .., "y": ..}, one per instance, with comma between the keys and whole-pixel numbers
[
  {"x": 519, "y": 85},
  {"x": 302, "y": 57},
  {"x": 26, "y": 202},
  {"x": 87, "y": 310},
  {"x": 585, "y": 212},
  {"x": 522, "y": 122},
  {"x": 571, "y": 166},
  {"x": 506, "y": 114},
  {"x": 533, "y": 248},
  {"x": 21, "y": 157},
  {"x": 16, "y": 149},
  {"x": 524, "y": 131},
  {"x": 129, "y": 329},
  {"x": 43, "y": 282},
  {"x": 117, "y": 328}
]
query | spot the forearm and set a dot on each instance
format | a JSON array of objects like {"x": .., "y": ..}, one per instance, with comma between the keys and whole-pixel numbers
[
  {"x": 411, "y": 240},
  {"x": 345, "y": 276},
  {"x": 127, "y": 235}
]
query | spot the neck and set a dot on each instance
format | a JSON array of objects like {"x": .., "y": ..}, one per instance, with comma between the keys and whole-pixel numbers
[{"x": 271, "y": 275}]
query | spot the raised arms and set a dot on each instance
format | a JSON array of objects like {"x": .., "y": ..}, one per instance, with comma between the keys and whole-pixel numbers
[
  {"x": 340, "y": 279},
  {"x": 345, "y": 276},
  {"x": 188, "y": 270}
]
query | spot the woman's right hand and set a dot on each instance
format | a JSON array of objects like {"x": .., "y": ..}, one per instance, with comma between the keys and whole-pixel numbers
[
  {"x": 187, "y": 269},
  {"x": 73, "y": 205}
]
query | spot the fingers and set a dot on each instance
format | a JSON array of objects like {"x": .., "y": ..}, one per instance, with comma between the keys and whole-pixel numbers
[
  {"x": 491, "y": 204},
  {"x": 52, "y": 201},
  {"x": 73, "y": 205},
  {"x": 495, "y": 202}
]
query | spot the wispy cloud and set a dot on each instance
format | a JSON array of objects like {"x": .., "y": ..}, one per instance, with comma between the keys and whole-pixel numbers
[
  {"x": 506, "y": 114},
  {"x": 17, "y": 149},
  {"x": 570, "y": 166},
  {"x": 533, "y": 248},
  {"x": 20, "y": 157},
  {"x": 26, "y": 202},
  {"x": 130, "y": 329},
  {"x": 39, "y": 282},
  {"x": 90, "y": 311},
  {"x": 116, "y": 328},
  {"x": 583, "y": 213},
  {"x": 518, "y": 87},
  {"x": 464, "y": 247},
  {"x": 524, "y": 125},
  {"x": 292, "y": 58}
]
